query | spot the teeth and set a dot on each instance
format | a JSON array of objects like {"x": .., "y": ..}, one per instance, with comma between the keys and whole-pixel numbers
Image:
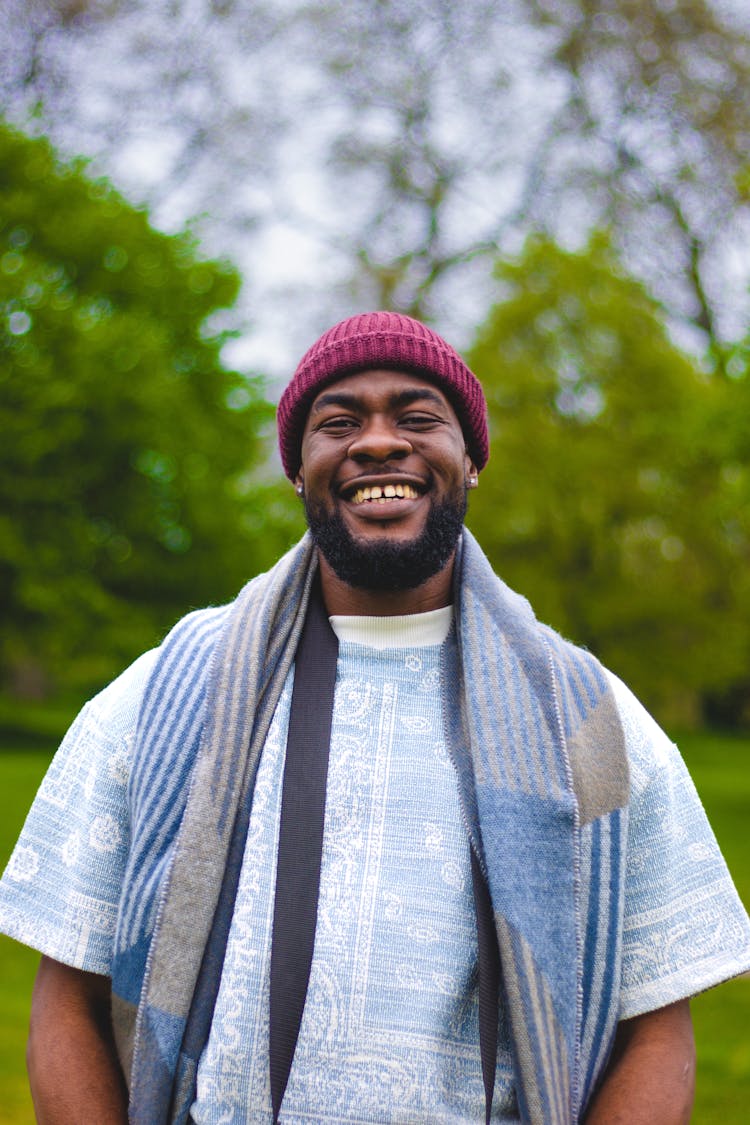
[{"x": 385, "y": 494}]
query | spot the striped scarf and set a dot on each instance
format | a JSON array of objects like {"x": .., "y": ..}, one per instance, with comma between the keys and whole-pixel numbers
[{"x": 543, "y": 780}]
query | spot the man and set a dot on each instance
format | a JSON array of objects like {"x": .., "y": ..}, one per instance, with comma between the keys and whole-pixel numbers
[{"x": 496, "y": 886}]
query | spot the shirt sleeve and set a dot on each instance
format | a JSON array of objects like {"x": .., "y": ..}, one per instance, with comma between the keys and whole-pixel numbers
[
  {"x": 61, "y": 888},
  {"x": 685, "y": 928}
]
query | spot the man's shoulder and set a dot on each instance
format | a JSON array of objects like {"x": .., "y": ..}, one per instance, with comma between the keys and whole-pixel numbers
[
  {"x": 566, "y": 649},
  {"x": 516, "y": 618},
  {"x": 117, "y": 706},
  {"x": 198, "y": 627}
]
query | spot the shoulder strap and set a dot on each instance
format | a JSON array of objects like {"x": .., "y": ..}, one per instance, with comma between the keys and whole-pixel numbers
[
  {"x": 300, "y": 838},
  {"x": 299, "y": 857}
]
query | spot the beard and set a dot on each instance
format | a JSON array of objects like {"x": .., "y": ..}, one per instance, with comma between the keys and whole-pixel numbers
[{"x": 388, "y": 564}]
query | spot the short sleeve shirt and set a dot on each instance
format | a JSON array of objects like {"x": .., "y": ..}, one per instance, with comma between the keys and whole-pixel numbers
[{"x": 684, "y": 926}]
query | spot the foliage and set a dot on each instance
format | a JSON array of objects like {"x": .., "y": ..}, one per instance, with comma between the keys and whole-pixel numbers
[
  {"x": 610, "y": 497},
  {"x": 727, "y": 451},
  {"x": 659, "y": 92},
  {"x": 129, "y": 457},
  {"x": 408, "y": 143}
]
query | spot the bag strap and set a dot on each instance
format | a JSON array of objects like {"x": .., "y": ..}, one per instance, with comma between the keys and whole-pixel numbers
[
  {"x": 299, "y": 857},
  {"x": 300, "y": 838}
]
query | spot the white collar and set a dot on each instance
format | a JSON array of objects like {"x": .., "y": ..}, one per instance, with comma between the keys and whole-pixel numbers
[{"x": 411, "y": 630}]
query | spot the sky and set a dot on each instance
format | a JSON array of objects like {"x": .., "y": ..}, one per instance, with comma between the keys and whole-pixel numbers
[{"x": 228, "y": 123}]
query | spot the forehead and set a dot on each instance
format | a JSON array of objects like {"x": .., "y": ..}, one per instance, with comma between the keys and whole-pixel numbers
[{"x": 378, "y": 390}]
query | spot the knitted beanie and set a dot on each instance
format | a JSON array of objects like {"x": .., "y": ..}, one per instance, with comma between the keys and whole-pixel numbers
[{"x": 372, "y": 341}]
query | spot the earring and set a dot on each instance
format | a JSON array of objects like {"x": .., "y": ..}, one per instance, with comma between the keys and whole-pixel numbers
[
  {"x": 300, "y": 490},
  {"x": 472, "y": 482}
]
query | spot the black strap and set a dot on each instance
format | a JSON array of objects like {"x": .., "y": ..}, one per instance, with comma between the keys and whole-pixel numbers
[
  {"x": 300, "y": 838},
  {"x": 298, "y": 866},
  {"x": 489, "y": 981}
]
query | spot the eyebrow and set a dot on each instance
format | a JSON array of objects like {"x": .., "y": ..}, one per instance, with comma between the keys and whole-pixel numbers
[{"x": 399, "y": 398}]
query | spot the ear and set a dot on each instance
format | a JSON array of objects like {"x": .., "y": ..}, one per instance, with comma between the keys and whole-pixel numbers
[{"x": 472, "y": 473}]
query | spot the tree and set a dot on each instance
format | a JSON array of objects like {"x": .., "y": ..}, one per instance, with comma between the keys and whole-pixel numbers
[
  {"x": 383, "y": 153},
  {"x": 606, "y": 497},
  {"x": 131, "y": 460},
  {"x": 659, "y": 93},
  {"x": 727, "y": 429}
]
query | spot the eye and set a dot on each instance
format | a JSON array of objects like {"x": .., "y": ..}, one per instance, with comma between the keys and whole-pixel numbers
[
  {"x": 418, "y": 420},
  {"x": 339, "y": 424}
]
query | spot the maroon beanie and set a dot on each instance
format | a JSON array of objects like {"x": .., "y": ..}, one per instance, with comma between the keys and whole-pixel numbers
[{"x": 372, "y": 341}]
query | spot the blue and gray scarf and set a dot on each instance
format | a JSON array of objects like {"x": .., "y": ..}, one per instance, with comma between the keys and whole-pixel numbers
[{"x": 544, "y": 783}]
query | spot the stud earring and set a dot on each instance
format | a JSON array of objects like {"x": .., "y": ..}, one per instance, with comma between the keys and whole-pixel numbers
[
  {"x": 300, "y": 490},
  {"x": 472, "y": 482}
]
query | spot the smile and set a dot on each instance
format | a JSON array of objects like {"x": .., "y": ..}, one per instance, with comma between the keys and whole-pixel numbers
[{"x": 384, "y": 495}]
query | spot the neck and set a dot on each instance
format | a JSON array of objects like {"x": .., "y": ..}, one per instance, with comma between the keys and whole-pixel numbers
[{"x": 341, "y": 598}]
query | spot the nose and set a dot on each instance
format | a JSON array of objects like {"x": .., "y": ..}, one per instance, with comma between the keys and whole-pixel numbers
[{"x": 378, "y": 439}]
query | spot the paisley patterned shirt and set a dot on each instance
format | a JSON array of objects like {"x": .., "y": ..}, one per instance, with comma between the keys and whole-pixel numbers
[{"x": 390, "y": 1027}]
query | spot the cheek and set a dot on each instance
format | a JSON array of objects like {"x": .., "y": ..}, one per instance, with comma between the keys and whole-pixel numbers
[
  {"x": 454, "y": 459},
  {"x": 316, "y": 470},
  {"x": 310, "y": 457}
]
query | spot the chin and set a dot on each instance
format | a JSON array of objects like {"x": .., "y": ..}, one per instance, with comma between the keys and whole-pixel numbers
[{"x": 380, "y": 560}]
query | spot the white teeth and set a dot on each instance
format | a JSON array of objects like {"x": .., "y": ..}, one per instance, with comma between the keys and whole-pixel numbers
[{"x": 385, "y": 494}]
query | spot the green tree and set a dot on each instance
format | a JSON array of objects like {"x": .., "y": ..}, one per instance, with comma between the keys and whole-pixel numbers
[
  {"x": 130, "y": 459},
  {"x": 414, "y": 142},
  {"x": 602, "y": 500},
  {"x": 728, "y": 440},
  {"x": 656, "y": 109}
]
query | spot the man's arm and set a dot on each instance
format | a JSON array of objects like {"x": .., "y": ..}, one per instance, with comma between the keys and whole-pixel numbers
[
  {"x": 74, "y": 1072},
  {"x": 650, "y": 1078}
]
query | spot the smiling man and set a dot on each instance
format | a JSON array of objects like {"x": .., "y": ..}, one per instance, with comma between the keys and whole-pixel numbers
[
  {"x": 385, "y": 473},
  {"x": 371, "y": 844}
]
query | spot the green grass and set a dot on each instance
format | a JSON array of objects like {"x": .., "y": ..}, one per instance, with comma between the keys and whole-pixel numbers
[
  {"x": 720, "y": 766},
  {"x": 721, "y": 1018},
  {"x": 20, "y": 774}
]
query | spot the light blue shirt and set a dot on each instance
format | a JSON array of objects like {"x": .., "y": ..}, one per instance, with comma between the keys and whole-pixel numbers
[{"x": 389, "y": 1032}]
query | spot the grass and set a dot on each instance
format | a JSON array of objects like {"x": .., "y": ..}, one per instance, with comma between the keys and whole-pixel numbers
[
  {"x": 20, "y": 774},
  {"x": 720, "y": 766}
]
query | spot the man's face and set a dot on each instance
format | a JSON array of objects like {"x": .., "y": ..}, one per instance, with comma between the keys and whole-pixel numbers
[{"x": 384, "y": 471}]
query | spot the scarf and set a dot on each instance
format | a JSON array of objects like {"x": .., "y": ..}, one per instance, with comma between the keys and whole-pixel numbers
[{"x": 543, "y": 780}]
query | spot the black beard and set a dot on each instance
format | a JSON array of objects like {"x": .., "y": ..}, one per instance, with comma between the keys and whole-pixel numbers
[{"x": 388, "y": 564}]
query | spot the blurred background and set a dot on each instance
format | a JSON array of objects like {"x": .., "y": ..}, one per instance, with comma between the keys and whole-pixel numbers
[{"x": 191, "y": 191}]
